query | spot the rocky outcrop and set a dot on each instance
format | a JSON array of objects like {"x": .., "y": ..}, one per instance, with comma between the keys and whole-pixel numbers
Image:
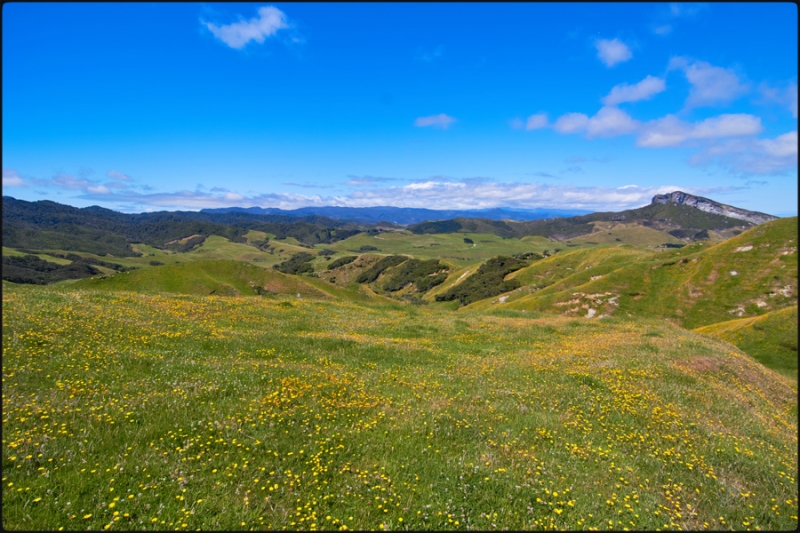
[{"x": 710, "y": 206}]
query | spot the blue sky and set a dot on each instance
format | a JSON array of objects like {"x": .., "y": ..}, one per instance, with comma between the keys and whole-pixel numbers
[{"x": 143, "y": 107}]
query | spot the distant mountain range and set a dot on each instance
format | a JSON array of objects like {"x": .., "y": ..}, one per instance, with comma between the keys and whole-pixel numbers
[
  {"x": 49, "y": 225},
  {"x": 404, "y": 216}
]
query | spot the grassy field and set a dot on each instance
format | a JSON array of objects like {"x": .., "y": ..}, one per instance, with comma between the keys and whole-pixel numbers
[
  {"x": 617, "y": 232},
  {"x": 697, "y": 285},
  {"x": 771, "y": 338},
  {"x": 449, "y": 247},
  {"x": 124, "y": 410}
]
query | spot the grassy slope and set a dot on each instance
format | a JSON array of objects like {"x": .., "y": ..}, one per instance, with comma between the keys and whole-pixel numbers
[
  {"x": 228, "y": 413},
  {"x": 694, "y": 285},
  {"x": 771, "y": 338},
  {"x": 449, "y": 247},
  {"x": 617, "y": 232},
  {"x": 226, "y": 277}
]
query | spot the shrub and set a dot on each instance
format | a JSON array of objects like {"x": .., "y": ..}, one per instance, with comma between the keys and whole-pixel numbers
[
  {"x": 423, "y": 274},
  {"x": 372, "y": 273},
  {"x": 342, "y": 261},
  {"x": 31, "y": 269},
  {"x": 297, "y": 264},
  {"x": 486, "y": 282}
]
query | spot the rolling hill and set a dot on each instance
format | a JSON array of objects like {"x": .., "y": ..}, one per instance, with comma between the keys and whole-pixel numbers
[
  {"x": 747, "y": 275},
  {"x": 678, "y": 216}
]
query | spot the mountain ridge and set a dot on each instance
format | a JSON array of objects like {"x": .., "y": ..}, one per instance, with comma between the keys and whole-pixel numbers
[
  {"x": 710, "y": 206},
  {"x": 406, "y": 215}
]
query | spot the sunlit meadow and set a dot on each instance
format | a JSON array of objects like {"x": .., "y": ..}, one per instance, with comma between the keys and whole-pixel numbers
[{"x": 131, "y": 411}]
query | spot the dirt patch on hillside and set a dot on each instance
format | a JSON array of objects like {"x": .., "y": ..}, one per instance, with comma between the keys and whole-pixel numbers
[{"x": 700, "y": 363}]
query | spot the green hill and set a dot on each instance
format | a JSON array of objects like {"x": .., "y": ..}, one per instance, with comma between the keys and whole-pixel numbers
[
  {"x": 771, "y": 338},
  {"x": 223, "y": 277},
  {"x": 679, "y": 221},
  {"x": 172, "y": 411},
  {"x": 700, "y": 284}
]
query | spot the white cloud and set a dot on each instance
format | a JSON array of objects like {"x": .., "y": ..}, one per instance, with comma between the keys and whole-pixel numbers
[
  {"x": 366, "y": 181},
  {"x": 786, "y": 97},
  {"x": 98, "y": 189},
  {"x": 236, "y": 35},
  {"x": 536, "y": 121},
  {"x": 12, "y": 179},
  {"x": 610, "y": 122},
  {"x": 439, "y": 121},
  {"x": 612, "y": 51},
  {"x": 664, "y": 29},
  {"x": 643, "y": 90},
  {"x": 607, "y": 122},
  {"x": 666, "y": 131},
  {"x": 116, "y": 175},
  {"x": 571, "y": 123},
  {"x": 667, "y": 17},
  {"x": 782, "y": 146},
  {"x": 434, "y": 193},
  {"x": 685, "y": 9},
  {"x": 69, "y": 182},
  {"x": 731, "y": 125},
  {"x": 671, "y": 131},
  {"x": 448, "y": 195},
  {"x": 710, "y": 85},
  {"x": 752, "y": 156}
]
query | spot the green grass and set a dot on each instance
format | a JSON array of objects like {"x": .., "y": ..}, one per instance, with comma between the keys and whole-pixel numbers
[
  {"x": 771, "y": 338},
  {"x": 449, "y": 248},
  {"x": 620, "y": 233},
  {"x": 697, "y": 285},
  {"x": 155, "y": 411},
  {"x": 224, "y": 277}
]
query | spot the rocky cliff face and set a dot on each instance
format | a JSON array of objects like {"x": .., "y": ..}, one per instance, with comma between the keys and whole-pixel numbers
[{"x": 710, "y": 206}]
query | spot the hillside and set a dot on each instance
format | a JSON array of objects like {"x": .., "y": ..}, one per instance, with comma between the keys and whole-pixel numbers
[
  {"x": 680, "y": 220},
  {"x": 747, "y": 275},
  {"x": 222, "y": 277},
  {"x": 49, "y": 225},
  {"x": 224, "y": 413},
  {"x": 770, "y": 338}
]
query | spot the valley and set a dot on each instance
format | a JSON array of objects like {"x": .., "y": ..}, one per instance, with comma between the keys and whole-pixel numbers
[{"x": 633, "y": 370}]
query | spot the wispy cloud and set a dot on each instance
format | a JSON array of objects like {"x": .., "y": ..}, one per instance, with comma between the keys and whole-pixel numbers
[
  {"x": 117, "y": 175},
  {"x": 752, "y": 156},
  {"x": 609, "y": 121},
  {"x": 671, "y": 131},
  {"x": 366, "y": 181},
  {"x": 536, "y": 121},
  {"x": 581, "y": 159},
  {"x": 663, "y": 29},
  {"x": 666, "y": 17},
  {"x": 543, "y": 175},
  {"x": 306, "y": 185},
  {"x": 711, "y": 85},
  {"x": 786, "y": 96},
  {"x": 434, "y": 193},
  {"x": 67, "y": 181},
  {"x": 438, "y": 121},
  {"x": 612, "y": 51},
  {"x": 11, "y": 178},
  {"x": 236, "y": 35},
  {"x": 643, "y": 90}
]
